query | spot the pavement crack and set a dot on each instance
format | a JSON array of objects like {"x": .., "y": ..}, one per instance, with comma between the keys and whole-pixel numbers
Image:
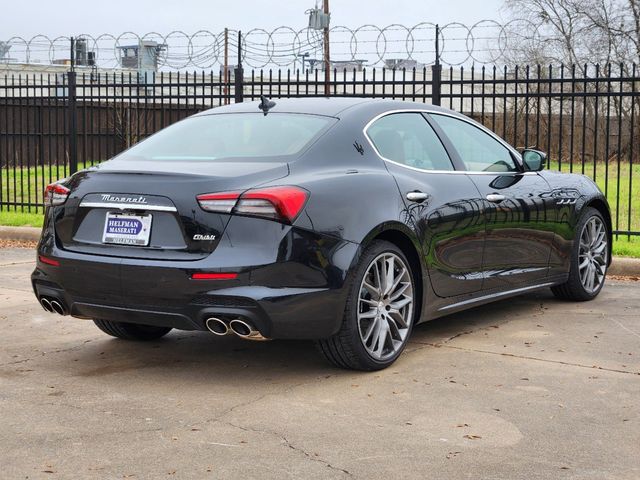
[
  {"x": 16, "y": 263},
  {"x": 537, "y": 359},
  {"x": 314, "y": 458},
  {"x": 42, "y": 354},
  {"x": 287, "y": 443}
]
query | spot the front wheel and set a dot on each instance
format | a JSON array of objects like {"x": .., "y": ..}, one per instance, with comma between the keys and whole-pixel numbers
[
  {"x": 379, "y": 313},
  {"x": 131, "y": 331},
  {"x": 589, "y": 259}
]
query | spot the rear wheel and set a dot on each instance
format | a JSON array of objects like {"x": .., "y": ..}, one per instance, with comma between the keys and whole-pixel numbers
[
  {"x": 131, "y": 331},
  {"x": 588, "y": 259},
  {"x": 379, "y": 313}
]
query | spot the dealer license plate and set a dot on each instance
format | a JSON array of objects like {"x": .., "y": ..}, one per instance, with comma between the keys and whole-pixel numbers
[{"x": 127, "y": 229}]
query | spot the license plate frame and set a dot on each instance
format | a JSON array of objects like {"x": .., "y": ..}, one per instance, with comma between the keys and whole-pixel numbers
[{"x": 129, "y": 229}]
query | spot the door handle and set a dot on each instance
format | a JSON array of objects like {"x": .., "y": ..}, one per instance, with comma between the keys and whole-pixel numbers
[
  {"x": 495, "y": 197},
  {"x": 417, "y": 196}
]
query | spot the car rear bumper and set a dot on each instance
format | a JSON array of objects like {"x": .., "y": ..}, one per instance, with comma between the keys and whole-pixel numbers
[{"x": 300, "y": 294}]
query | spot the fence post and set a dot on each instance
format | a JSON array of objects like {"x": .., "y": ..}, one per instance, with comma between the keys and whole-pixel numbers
[
  {"x": 238, "y": 74},
  {"x": 436, "y": 73},
  {"x": 71, "y": 112}
]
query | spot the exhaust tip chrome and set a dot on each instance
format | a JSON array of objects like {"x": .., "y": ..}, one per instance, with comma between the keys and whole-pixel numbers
[
  {"x": 217, "y": 326},
  {"x": 46, "y": 304},
  {"x": 245, "y": 330},
  {"x": 57, "y": 307}
]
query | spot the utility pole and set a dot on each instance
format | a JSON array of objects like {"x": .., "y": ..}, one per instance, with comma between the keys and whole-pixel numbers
[
  {"x": 327, "y": 62},
  {"x": 226, "y": 66},
  {"x": 71, "y": 111},
  {"x": 238, "y": 75}
]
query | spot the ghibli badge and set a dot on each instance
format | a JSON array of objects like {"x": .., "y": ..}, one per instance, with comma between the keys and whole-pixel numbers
[{"x": 199, "y": 236}]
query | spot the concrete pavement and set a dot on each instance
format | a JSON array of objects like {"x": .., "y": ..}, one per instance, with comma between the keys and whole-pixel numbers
[{"x": 529, "y": 388}]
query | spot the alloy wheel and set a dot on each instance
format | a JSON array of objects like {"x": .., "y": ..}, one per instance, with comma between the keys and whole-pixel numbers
[
  {"x": 592, "y": 254},
  {"x": 385, "y": 306}
]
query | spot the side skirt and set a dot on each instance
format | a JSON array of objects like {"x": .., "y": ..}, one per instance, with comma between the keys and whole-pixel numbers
[{"x": 456, "y": 304}]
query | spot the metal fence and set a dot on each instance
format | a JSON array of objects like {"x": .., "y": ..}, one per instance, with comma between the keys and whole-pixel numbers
[{"x": 585, "y": 117}]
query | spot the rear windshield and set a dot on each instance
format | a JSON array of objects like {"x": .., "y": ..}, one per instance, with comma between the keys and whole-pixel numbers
[{"x": 234, "y": 135}]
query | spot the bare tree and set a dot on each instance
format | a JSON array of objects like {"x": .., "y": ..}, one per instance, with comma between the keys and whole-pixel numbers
[{"x": 573, "y": 31}]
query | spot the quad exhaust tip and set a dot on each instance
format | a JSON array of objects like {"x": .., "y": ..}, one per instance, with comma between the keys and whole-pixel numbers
[
  {"x": 237, "y": 326},
  {"x": 53, "y": 305},
  {"x": 245, "y": 330},
  {"x": 46, "y": 304},
  {"x": 217, "y": 326},
  {"x": 57, "y": 307}
]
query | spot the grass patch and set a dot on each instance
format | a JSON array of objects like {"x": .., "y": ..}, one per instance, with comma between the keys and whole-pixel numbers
[
  {"x": 617, "y": 182},
  {"x": 623, "y": 247},
  {"x": 21, "y": 219}
]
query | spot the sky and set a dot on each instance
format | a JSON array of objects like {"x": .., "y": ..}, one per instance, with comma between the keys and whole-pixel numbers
[{"x": 27, "y": 18}]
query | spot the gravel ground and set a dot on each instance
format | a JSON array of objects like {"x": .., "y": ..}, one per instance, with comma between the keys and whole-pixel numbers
[{"x": 17, "y": 244}]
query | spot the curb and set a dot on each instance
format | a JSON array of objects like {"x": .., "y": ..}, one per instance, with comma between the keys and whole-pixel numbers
[
  {"x": 20, "y": 233},
  {"x": 622, "y": 266},
  {"x": 625, "y": 267}
]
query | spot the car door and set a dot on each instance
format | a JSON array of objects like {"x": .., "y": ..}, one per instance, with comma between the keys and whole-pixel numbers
[
  {"x": 442, "y": 205},
  {"x": 519, "y": 236}
]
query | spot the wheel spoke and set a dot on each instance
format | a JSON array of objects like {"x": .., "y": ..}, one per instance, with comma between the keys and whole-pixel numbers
[
  {"x": 399, "y": 292},
  {"x": 373, "y": 303},
  {"x": 393, "y": 329},
  {"x": 368, "y": 314},
  {"x": 388, "y": 278},
  {"x": 370, "y": 329},
  {"x": 396, "y": 281},
  {"x": 373, "y": 291},
  {"x": 378, "y": 278},
  {"x": 401, "y": 303},
  {"x": 382, "y": 339},
  {"x": 397, "y": 317}
]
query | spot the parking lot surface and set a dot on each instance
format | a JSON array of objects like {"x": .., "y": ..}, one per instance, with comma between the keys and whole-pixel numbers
[{"x": 526, "y": 388}]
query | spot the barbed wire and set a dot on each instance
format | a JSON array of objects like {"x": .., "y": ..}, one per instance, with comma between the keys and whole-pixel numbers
[{"x": 484, "y": 42}]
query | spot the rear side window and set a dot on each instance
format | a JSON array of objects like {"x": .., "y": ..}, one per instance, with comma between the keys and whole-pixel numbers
[
  {"x": 478, "y": 150},
  {"x": 408, "y": 139},
  {"x": 211, "y": 138}
]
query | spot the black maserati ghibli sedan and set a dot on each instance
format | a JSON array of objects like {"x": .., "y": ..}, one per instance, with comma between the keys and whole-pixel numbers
[{"x": 345, "y": 221}]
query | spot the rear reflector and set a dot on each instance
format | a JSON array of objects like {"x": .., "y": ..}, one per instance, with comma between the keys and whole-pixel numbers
[
  {"x": 277, "y": 203},
  {"x": 214, "y": 276},
  {"x": 49, "y": 261},
  {"x": 55, "y": 194}
]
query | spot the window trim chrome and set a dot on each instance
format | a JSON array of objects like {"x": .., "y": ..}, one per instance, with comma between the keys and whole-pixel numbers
[{"x": 454, "y": 171}]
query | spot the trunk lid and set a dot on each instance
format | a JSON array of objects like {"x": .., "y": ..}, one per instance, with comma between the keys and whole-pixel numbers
[{"x": 157, "y": 199}]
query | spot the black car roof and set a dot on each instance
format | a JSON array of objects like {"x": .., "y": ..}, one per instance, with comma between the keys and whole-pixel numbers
[{"x": 324, "y": 106}]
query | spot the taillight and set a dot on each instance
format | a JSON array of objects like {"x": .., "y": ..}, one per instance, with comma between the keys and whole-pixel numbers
[
  {"x": 55, "y": 194},
  {"x": 218, "y": 202},
  {"x": 277, "y": 203}
]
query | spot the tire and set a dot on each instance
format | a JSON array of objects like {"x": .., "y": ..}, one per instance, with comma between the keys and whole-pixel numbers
[
  {"x": 387, "y": 313},
  {"x": 131, "y": 331},
  {"x": 578, "y": 287}
]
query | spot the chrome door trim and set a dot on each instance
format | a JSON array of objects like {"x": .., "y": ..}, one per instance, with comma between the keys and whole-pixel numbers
[{"x": 493, "y": 296}]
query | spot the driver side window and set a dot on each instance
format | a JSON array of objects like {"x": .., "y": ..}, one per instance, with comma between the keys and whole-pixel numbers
[{"x": 479, "y": 151}]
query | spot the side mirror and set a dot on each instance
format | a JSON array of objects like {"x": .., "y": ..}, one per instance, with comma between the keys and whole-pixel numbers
[{"x": 534, "y": 160}]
